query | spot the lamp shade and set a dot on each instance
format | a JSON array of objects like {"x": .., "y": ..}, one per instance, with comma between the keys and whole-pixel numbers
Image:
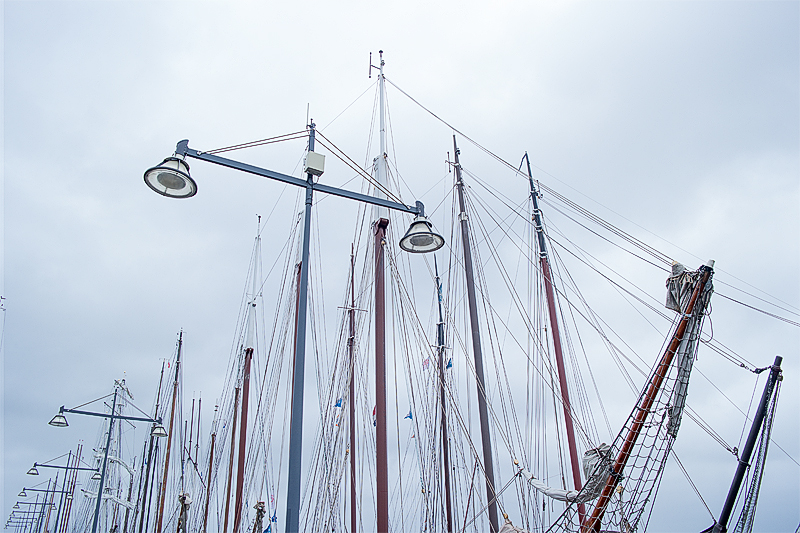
[
  {"x": 16, "y": 506},
  {"x": 158, "y": 431},
  {"x": 33, "y": 471},
  {"x": 23, "y": 494},
  {"x": 59, "y": 421},
  {"x": 171, "y": 178},
  {"x": 420, "y": 237},
  {"x": 96, "y": 476}
]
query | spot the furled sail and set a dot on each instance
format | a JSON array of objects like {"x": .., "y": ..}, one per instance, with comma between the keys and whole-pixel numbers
[
  {"x": 679, "y": 289},
  {"x": 595, "y": 470}
]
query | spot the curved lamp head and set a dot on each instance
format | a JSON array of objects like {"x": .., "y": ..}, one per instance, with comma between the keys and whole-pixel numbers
[
  {"x": 96, "y": 476},
  {"x": 158, "y": 431},
  {"x": 420, "y": 237},
  {"x": 16, "y": 506},
  {"x": 33, "y": 471},
  {"x": 59, "y": 421},
  {"x": 171, "y": 178},
  {"x": 23, "y": 494}
]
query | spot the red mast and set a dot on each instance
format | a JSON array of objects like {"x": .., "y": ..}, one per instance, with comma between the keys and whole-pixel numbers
[{"x": 562, "y": 374}]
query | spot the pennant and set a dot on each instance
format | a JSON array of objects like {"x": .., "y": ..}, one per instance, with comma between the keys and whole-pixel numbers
[
  {"x": 409, "y": 415},
  {"x": 449, "y": 363},
  {"x": 375, "y": 416},
  {"x": 274, "y": 518},
  {"x": 413, "y": 435},
  {"x": 338, "y": 403},
  {"x": 426, "y": 363},
  {"x": 269, "y": 529}
]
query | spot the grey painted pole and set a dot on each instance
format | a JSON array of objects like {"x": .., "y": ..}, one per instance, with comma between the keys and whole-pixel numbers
[
  {"x": 105, "y": 462},
  {"x": 744, "y": 460},
  {"x": 486, "y": 439},
  {"x": 296, "y": 428}
]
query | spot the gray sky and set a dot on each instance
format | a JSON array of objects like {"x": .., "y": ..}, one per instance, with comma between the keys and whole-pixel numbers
[{"x": 680, "y": 116}]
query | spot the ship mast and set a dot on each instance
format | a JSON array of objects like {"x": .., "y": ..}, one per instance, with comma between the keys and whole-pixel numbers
[
  {"x": 544, "y": 264},
  {"x": 351, "y": 340},
  {"x": 150, "y": 452},
  {"x": 443, "y": 411},
  {"x": 210, "y": 466},
  {"x": 169, "y": 438},
  {"x": 379, "y": 227},
  {"x": 488, "y": 465},
  {"x": 248, "y": 358}
]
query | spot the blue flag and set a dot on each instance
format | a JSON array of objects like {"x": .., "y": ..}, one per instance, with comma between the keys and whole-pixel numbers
[
  {"x": 274, "y": 518},
  {"x": 449, "y": 363},
  {"x": 338, "y": 403},
  {"x": 269, "y": 529},
  {"x": 409, "y": 415}
]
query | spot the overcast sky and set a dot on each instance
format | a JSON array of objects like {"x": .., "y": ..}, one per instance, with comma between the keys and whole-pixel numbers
[{"x": 679, "y": 116}]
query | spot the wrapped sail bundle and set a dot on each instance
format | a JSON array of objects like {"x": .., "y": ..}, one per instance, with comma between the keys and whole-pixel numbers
[
  {"x": 595, "y": 469},
  {"x": 679, "y": 289}
]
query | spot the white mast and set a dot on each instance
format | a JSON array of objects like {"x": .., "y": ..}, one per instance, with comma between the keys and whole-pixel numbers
[{"x": 379, "y": 163}]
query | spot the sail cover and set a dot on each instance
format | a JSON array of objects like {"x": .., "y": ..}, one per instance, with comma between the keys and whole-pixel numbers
[
  {"x": 595, "y": 470},
  {"x": 679, "y": 289}
]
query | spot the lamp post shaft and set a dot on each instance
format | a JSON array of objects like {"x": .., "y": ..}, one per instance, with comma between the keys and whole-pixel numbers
[
  {"x": 296, "y": 428},
  {"x": 105, "y": 463}
]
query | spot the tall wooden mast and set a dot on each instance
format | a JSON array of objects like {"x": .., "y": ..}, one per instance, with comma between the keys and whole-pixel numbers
[
  {"x": 169, "y": 437},
  {"x": 230, "y": 460},
  {"x": 379, "y": 227},
  {"x": 210, "y": 466},
  {"x": 486, "y": 440},
  {"x": 150, "y": 453},
  {"x": 248, "y": 358},
  {"x": 443, "y": 410},
  {"x": 544, "y": 264},
  {"x": 351, "y": 340}
]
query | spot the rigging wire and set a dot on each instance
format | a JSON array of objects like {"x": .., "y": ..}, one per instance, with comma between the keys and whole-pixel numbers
[{"x": 518, "y": 172}]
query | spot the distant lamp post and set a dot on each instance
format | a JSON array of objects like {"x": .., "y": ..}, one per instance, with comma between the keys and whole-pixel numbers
[
  {"x": 16, "y": 506},
  {"x": 95, "y": 476},
  {"x": 158, "y": 429},
  {"x": 23, "y": 494},
  {"x": 33, "y": 471}
]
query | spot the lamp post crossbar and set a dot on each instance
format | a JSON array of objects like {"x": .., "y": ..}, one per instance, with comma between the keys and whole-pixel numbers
[
  {"x": 184, "y": 150},
  {"x": 114, "y": 416},
  {"x": 64, "y": 467}
]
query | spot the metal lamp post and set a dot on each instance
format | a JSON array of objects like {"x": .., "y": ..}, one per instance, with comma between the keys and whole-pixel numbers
[
  {"x": 171, "y": 178},
  {"x": 60, "y": 421}
]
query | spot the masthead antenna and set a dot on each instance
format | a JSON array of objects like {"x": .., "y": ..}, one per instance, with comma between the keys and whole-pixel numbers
[{"x": 371, "y": 66}]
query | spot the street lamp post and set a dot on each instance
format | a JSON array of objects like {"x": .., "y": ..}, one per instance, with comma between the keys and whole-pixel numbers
[
  {"x": 60, "y": 421},
  {"x": 172, "y": 179}
]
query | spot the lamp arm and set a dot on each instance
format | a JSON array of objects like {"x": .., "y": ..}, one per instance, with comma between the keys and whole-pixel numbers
[
  {"x": 104, "y": 415},
  {"x": 65, "y": 467},
  {"x": 45, "y": 490},
  {"x": 183, "y": 149}
]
